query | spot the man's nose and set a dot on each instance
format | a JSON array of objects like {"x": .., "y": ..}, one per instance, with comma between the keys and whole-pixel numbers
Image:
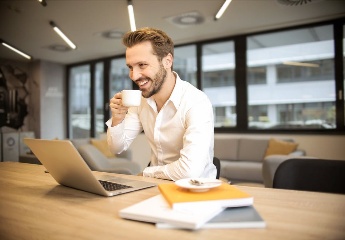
[{"x": 135, "y": 74}]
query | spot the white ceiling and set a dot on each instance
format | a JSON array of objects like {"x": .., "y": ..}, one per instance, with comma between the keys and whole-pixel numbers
[{"x": 25, "y": 23}]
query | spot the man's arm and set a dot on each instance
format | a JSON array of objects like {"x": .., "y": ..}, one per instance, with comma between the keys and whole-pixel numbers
[{"x": 123, "y": 127}]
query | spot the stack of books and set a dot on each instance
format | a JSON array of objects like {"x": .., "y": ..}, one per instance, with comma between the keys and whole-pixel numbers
[{"x": 225, "y": 206}]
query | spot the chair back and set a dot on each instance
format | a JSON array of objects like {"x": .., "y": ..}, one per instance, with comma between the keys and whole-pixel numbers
[
  {"x": 93, "y": 157},
  {"x": 216, "y": 162},
  {"x": 319, "y": 175}
]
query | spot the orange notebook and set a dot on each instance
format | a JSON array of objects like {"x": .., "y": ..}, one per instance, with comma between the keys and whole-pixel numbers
[{"x": 223, "y": 196}]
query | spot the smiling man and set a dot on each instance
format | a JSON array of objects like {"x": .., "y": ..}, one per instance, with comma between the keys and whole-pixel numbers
[{"x": 176, "y": 117}]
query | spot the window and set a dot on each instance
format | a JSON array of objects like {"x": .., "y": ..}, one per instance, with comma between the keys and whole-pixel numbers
[
  {"x": 99, "y": 98},
  {"x": 275, "y": 82},
  {"x": 257, "y": 75},
  {"x": 218, "y": 81},
  {"x": 308, "y": 71},
  {"x": 185, "y": 63},
  {"x": 119, "y": 77},
  {"x": 299, "y": 86},
  {"x": 79, "y": 110}
]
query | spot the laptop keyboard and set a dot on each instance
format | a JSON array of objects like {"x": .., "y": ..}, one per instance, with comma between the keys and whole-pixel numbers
[{"x": 111, "y": 186}]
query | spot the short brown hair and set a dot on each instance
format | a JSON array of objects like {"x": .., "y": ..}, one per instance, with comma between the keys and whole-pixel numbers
[{"x": 161, "y": 43}]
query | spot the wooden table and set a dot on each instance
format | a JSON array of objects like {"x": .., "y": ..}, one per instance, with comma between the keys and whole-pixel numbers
[{"x": 34, "y": 206}]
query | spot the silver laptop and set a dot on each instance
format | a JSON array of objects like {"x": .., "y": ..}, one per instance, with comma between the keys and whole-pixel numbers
[{"x": 68, "y": 168}]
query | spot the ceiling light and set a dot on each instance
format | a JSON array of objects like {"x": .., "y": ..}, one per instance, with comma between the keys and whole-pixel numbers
[
  {"x": 43, "y": 2},
  {"x": 131, "y": 15},
  {"x": 59, "y": 48},
  {"x": 185, "y": 20},
  {"x": 112, "y": 34},
  {"x": 302, "y": 64},
  {"x": 222, "y": 9},
  {"x": 295, "y": 2},
  {"x": 15, "y": 49},
  {"x": 62, "y": 35}
]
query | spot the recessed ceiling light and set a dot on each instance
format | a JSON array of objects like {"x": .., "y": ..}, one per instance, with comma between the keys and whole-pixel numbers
[
  {"x": 186, "y": 19},
  {"x": 59, "y": 48},
  {"x": 112, "y": 34},
  {"x": 296, "y": 2}
]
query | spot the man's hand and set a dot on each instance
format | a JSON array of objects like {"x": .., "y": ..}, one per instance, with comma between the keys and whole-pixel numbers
[{"x": 118, "y": 111}]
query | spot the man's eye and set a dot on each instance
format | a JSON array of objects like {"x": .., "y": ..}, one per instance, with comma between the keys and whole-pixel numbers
[{"x": 142, "y": 65}]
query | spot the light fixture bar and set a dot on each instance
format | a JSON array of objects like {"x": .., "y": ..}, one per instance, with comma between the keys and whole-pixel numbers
[
  {"x": 16, "y": 50},
  {"x": 43, "y": 2},
  {"x": 62, "y": 35},
  {"x": 302, "y": 64},
  {"x": 222, "y": 9},
  {"x": 131, "y": 15}
]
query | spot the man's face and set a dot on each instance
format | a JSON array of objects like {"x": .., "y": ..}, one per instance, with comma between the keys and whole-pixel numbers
[{"x": 145, "y": 69}]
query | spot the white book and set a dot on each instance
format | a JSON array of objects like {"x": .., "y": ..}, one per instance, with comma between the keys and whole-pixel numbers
[
  {"x": 239, "y": 217},
  {"x": 156, "y": 210}
]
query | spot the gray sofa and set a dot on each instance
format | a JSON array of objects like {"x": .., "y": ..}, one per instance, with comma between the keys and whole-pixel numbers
[
  {"x": 97, "y": 161},
  {"x": 242, "y": 158}
]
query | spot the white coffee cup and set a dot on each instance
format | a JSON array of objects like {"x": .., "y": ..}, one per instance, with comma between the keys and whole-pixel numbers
[{"x": 131, "y": 98}]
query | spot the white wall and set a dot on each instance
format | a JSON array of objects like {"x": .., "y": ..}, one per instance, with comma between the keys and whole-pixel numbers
[
  {"x": 53, "y": 101},
  {"x": 47, "y": 109}
]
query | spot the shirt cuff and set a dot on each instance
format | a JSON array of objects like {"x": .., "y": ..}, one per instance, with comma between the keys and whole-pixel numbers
[
  {"x": 156, "y": 172},
  {"x": 118, "y": 129}
]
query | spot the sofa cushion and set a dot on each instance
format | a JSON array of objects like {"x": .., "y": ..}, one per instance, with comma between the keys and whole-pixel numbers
[
  {"x": 278, "y": 147},
  {"x": 98, "y": 162},
  {"x": 251, "y": 149},
  {"x": 226, "y": 148},
  {"x": 77, "y": 142},
  {"x": 241, "y": 171},
  {"x": 102, "y": 146}
]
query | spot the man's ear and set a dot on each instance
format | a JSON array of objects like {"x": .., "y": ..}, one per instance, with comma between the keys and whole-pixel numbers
[{"x": 168, "y": 61}]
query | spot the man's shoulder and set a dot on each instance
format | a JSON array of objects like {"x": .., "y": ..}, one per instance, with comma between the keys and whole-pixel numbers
[{"x": 192, "y": 91}]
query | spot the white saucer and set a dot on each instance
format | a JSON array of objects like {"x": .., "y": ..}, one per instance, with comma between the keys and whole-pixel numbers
[{"x": 208, "y": 184}]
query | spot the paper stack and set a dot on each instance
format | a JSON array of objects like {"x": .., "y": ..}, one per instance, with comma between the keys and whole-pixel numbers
[{"x": 225, "y": 206}]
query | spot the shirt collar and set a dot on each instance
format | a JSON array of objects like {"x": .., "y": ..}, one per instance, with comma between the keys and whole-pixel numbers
[{"x": 175, "y": 96}]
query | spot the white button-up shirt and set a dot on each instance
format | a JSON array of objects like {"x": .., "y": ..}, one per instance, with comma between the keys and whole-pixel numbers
[{"x": 181, "y": 134}]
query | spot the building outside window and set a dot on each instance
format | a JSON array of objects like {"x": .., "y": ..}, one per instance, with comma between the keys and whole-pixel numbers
[
  {"x": 79, "y": 103},
  {"x": 299, "y": 89},
  {"x": 119, "y": 77},
  {"x": 290, "y": 82},
  {"x": 185, "y": 63},
  {"x": 218, "y": 81},
  {"x": 99, "y": 98}
]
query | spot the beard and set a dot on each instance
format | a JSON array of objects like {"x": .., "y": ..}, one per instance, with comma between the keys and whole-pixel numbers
[{"x": 157, "y": 82}]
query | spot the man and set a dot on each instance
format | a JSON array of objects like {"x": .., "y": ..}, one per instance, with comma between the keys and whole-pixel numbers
[{"x": 176, "y": 117}]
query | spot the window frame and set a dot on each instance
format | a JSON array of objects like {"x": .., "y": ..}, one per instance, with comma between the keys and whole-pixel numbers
[{"x": 241, "y": 81}]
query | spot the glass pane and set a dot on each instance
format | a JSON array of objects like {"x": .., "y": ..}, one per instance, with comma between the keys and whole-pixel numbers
[
  {"x": 99, "y": 98},
  {"x": 80, "y": 115},
  {"x": 218, "y": 81},
  {"x": 185, "y": 63},
  {"x": 291, "y": 81},
  {"x": 119, "y": 78}
]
